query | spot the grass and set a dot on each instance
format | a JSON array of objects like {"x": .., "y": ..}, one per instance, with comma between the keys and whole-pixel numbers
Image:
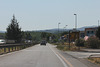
[
  {"x": 95, "y": 60},
  {"x": 65, "y": 46}
]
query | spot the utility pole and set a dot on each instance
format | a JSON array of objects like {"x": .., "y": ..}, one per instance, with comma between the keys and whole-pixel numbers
[
  {"x": 69, "y": 39},
  {"x": 98, "y": 23}
]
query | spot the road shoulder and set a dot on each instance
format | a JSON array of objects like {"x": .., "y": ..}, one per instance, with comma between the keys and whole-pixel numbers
[{"x": 76, "y": 62}]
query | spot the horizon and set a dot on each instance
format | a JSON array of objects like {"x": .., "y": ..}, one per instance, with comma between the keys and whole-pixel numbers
[{"x": 55, "y": 28}]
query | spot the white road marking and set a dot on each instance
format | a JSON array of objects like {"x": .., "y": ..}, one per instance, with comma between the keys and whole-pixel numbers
[{"x": 65, "y": 65}]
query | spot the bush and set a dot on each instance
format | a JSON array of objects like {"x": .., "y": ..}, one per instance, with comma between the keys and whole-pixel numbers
[
  {"x": 79, "y": 42},
  {"x": 55, "y": 40},
  {"x": 93, "y": 42},
  {"x": 61, "y": 47}
]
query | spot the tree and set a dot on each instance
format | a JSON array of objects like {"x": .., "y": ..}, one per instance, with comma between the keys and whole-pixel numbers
[
  {"x": 43, "y": 35},
  {"x": 79, "y": 43},
  {"x": 64, "y": 33},
  {"x": 28, "y": 36},
  {"x": 13, "y": 31},
  {"x": 98, "y": 32}
]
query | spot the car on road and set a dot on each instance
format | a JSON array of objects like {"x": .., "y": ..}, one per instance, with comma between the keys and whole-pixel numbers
[
  {"x": 2, "y": 42},
  {"x": 43, "y": 42}
]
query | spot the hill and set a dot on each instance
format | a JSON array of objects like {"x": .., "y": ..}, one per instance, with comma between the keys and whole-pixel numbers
[{"x": 62, "y": 30}]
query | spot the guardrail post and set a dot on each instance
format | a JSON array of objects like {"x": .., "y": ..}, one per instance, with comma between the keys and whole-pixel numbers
[
  {"x": 8, "y": 49},
  {"x": 15, "y": 48},
  {"x": 12, "y": 48},
  {"x": 4, "y": 49}
]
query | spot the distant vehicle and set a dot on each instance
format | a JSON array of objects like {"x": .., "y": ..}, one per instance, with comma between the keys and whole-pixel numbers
[
  {"x": 2, "y": 42},
  {"x": 28, "y": 41},
  {"x": 43, "y": 43}
]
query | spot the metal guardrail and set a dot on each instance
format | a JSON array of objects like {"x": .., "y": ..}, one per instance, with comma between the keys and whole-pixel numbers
[{"x": 13, "y": 47}]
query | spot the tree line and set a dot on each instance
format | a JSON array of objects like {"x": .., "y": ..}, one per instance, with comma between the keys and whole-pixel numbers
[{"x": 14, "y": 32}]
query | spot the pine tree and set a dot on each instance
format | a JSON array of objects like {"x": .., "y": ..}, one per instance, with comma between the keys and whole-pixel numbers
[{"x": 13, "y": 31}]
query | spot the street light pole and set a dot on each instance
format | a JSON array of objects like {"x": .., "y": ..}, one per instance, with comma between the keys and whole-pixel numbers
[
  {"x": 66, "y": 26},
  {"x": 64, "y": 29},
  {"x": 69, "y": 39},
  {"x": 98, "y": 23},
  {"x": 58, "y": 29},
  {"x": 75, "y": 21}
]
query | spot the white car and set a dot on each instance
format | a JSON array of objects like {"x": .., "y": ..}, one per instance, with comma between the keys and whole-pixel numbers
[{"x": 2, "y": 41}]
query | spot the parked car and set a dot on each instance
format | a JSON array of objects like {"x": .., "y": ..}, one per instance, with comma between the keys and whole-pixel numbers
[
  {"x": 43, "y": 42},
  {"x": 2, "y": 41}
]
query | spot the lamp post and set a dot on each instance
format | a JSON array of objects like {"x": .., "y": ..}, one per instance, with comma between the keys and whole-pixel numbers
[
  {"x": 58, "y": 27},
  {"x": 75, "y": 21},
  {"x": 58, "y": 30},
  {"x": 66, "y": 26},
  {"x": 69, "y": 38},
  {"x": 64, "y": 29},
  {"x": 98, "y": 23}
]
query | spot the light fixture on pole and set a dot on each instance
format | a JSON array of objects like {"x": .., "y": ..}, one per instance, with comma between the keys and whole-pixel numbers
[
  {"x": 98, "y": 23},
  {"x": 58, "y": 27},
  {"x": 66, "y": 26},
  {"x": 58, "y": 30},
  {"x": 75, "y": 21},
  {"x": 64, "y": 29}
]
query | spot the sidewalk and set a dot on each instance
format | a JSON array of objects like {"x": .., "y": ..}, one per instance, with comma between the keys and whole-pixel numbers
[{"x": 92, "y": 51}]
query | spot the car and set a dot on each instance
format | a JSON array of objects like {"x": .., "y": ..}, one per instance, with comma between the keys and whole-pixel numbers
[
  {"x": 2, "y": 42},
  {"x": 43, "y": 43}
]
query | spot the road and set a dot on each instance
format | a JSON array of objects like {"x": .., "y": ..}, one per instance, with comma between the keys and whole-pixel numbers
[{"x": 39, "y": 56}]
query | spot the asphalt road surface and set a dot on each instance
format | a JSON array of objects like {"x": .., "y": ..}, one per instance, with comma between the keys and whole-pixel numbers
[
  {"x": 39, "y": 56},
  {"x": 36, "y": 56}
]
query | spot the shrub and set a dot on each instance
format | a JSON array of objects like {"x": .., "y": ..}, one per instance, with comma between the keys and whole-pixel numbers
[
  {"x": 79, "y": 42},
  {"x": 55, "y": 40},
  {"x": 93, "y": 42},
  {"x": 61, "y": 47}
]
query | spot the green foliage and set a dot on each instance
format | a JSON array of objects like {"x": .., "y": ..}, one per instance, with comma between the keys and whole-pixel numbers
[
  {"x": 93, "y": 42},
  {"x": 79, "y": 42},
  {"x": 36, "y": 36},
  {"x": 98, "y": 32},
  {"x": 28, "y": 36},
  {"x": 13, "y": 31},
  {"x": 43, "y": 35},
  {"x": 55, "y": 40},
  {"x": 64, "y": 33},
  {"x": 46, "y": 36},
  {"x": 2, "y": 35}
]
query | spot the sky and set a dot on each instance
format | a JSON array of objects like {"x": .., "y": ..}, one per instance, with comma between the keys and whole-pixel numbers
[{"x": 46, "y": 14}]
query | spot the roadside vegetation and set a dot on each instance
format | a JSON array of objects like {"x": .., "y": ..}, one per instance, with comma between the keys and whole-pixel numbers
[{"x": 95, "y": 60}]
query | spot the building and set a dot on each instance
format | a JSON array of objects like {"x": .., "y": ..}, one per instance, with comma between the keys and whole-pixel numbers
[
  {"x": 82, "y": 34},
  {"x": 90, "y": 31}
]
